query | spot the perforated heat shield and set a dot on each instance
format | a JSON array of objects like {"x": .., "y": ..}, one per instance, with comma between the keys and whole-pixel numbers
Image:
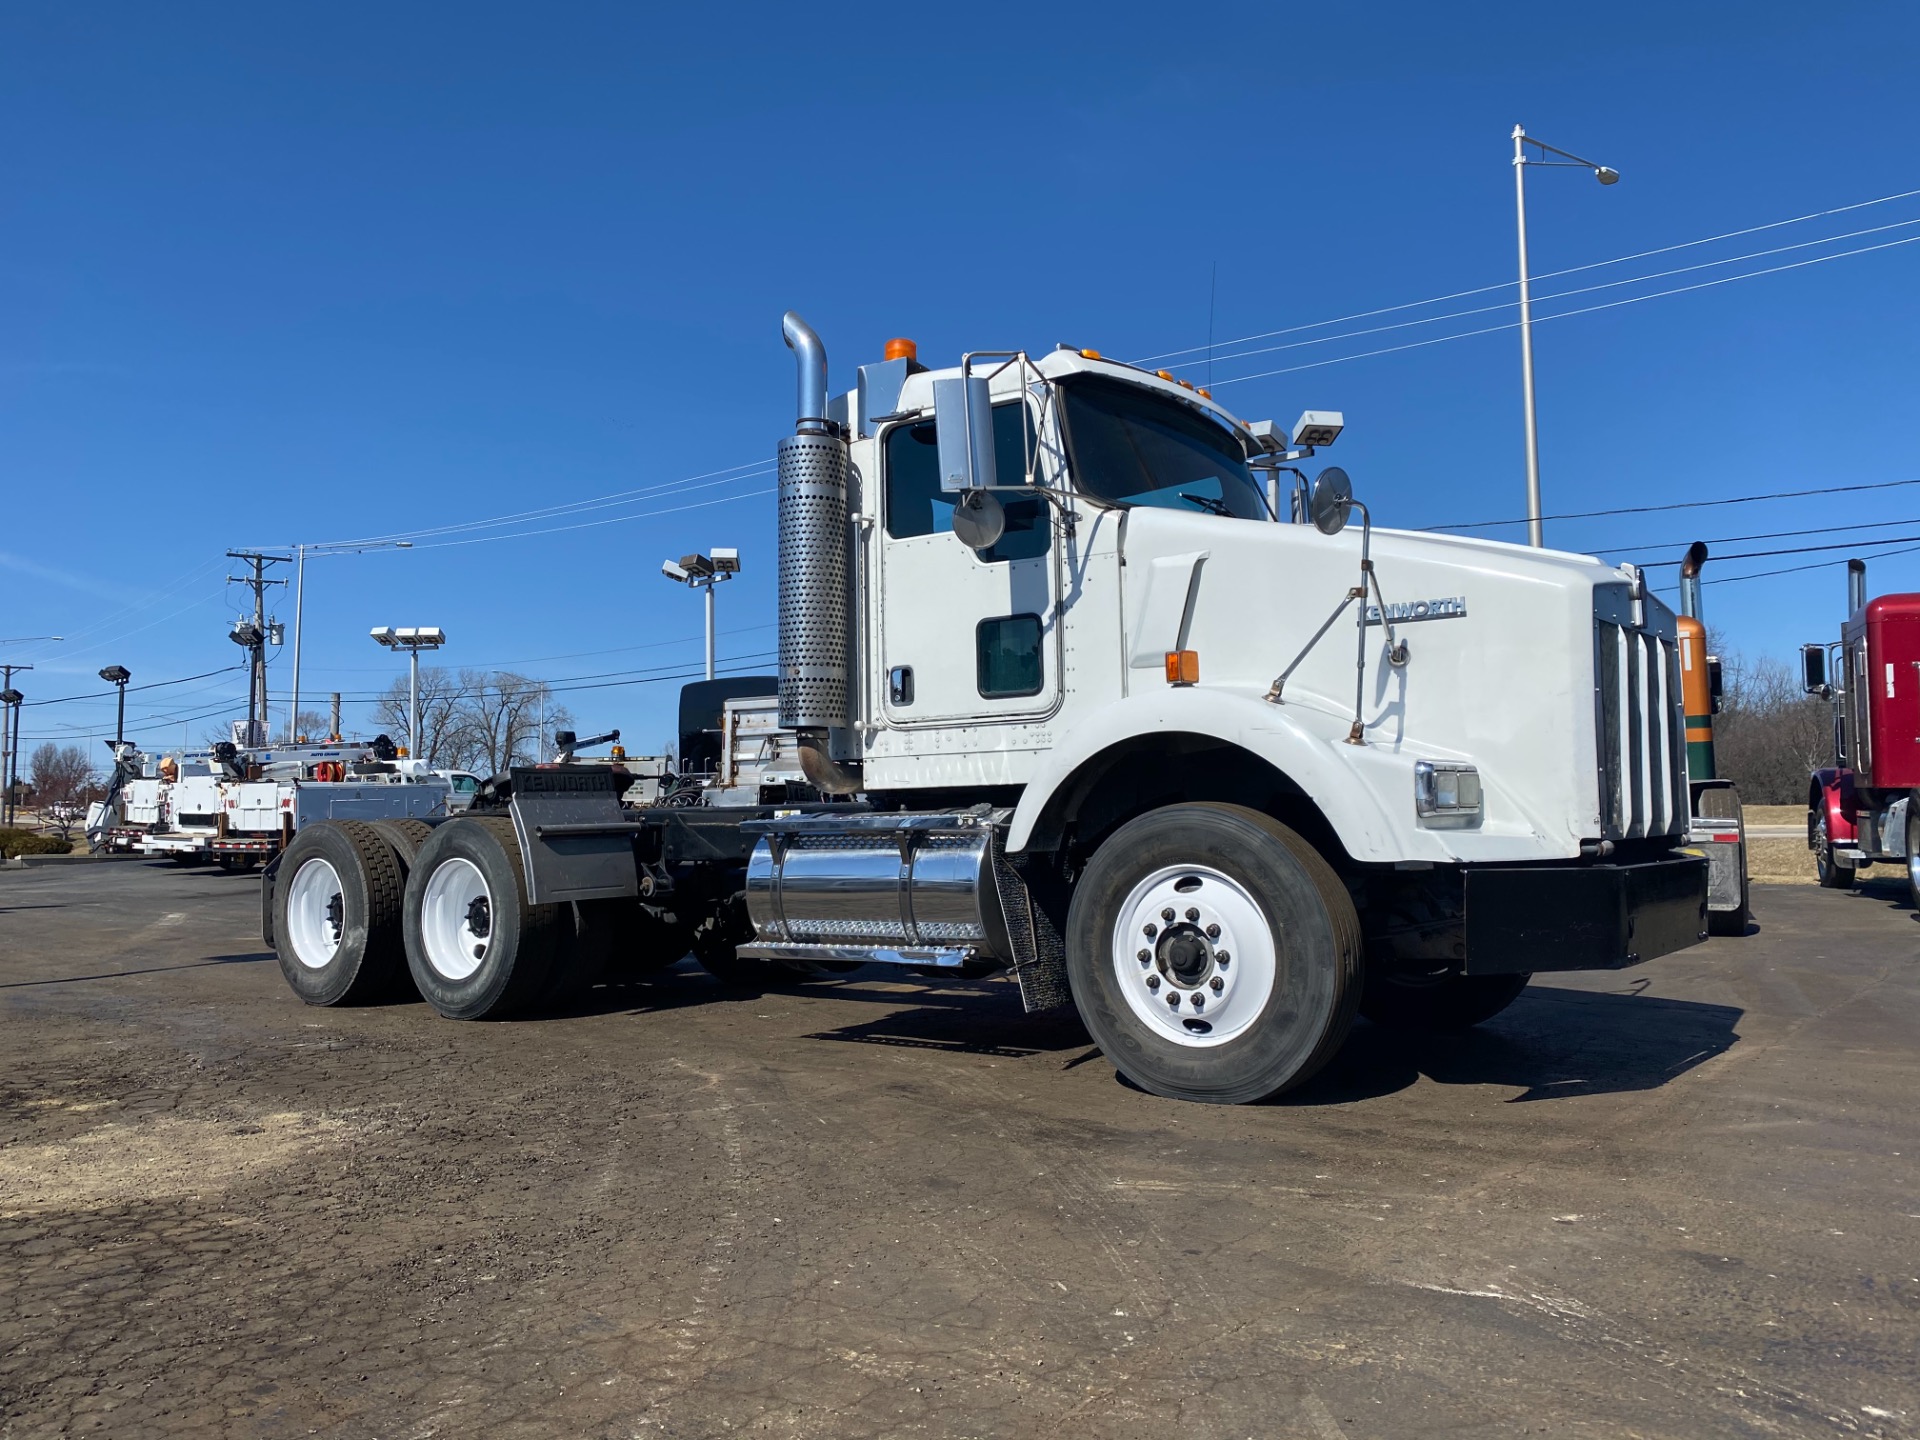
[{"x": 814, "y": 586}]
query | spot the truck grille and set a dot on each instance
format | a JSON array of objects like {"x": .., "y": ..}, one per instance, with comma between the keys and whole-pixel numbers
[{"x": 1643, "y": 772}]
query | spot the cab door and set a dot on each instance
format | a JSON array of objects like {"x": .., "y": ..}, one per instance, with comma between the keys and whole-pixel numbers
[{"x": 964, "y": 634}]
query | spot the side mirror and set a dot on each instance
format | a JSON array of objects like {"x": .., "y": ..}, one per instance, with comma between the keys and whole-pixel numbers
[
  {"x": 979, "y": 519},
  {"x": 1714, "y": 684},
  {"x": 1813, "y": 669},
  {"x": 963, "y": 420},
  {"x": 1332, "y": 501}
]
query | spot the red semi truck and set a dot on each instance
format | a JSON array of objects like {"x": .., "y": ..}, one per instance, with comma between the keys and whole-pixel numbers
[{"x": 1865, "y": 807}]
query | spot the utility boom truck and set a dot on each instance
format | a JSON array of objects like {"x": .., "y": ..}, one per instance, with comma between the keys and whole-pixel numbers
[
  {"x": 1865, "y": 807},
  {"x": 1085, "y": 683}
]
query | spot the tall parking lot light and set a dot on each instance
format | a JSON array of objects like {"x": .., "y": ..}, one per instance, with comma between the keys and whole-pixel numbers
[
  {"x": 412, "y": 639},
  {"x": 703, "y": 572},
  {"x": 118, "y": 675}
]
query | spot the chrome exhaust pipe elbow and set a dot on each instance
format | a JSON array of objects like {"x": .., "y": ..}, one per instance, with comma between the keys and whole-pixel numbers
[{"x": 811, "y": 354}]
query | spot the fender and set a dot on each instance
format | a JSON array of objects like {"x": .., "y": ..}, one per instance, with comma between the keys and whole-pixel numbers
[
  {"x": 1831, "y": 793},
  {"x": 1364, "y": 791}
]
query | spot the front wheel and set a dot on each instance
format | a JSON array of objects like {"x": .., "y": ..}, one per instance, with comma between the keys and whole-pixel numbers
[
  {"x": 1833, "y": 874},
  {"x": 1214, "y": 955},
  {"x": 1913, "y": 851},
  {"x": 476, "y": 948}
]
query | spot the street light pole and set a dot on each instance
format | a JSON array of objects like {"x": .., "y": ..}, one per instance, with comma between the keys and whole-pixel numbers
[
  {"x": 703, "y": 572},
  {"x": 299, "y": 596},
  {"x": 118, "y": 675},
  {"x": 413, "y": 639},
  {"x": 10, "y": 699},
  {"x": 1536, "y": 530}
]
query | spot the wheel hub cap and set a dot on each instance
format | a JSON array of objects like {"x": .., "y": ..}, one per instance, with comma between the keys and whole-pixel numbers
[
  {"x": 1195, "y": 955},
  {"x": 456, "y": 918}
]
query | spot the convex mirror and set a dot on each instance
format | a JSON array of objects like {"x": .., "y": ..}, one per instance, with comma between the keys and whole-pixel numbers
[
  {"x": 1331, "y": 502},
  {"x": 979, "y": 519}
]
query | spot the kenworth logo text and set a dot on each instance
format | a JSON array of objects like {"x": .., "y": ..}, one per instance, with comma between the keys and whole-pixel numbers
[{"x": 1450, "y": 607}]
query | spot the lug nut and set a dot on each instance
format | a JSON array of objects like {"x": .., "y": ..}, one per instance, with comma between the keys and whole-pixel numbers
[
  {"x": 1216, "y": 984},
  {"x": 1213, "y": 932},
  {"x": 1145, "y": 957},
  {"x": 1151, "y": 931},
  {"x": 1222, "y": 959},
  {"x": 1199, "y": 1002},
  {"x": 1173, "y": 999},
  {"x": 1167, "y": 915},
  {"x": 1192, "y": 913},
  {"x": 1153, "y": 982}
]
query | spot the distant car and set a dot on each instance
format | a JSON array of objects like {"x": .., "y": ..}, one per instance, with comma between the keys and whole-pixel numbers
[{"x": 464, "y": 785}]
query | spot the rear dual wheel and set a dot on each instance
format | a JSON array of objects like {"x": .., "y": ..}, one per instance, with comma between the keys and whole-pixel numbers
[
  {"x": 476, "y": 947},
  {"x": 1214, "y": 954},
  {"x": 336, "y": 915}
]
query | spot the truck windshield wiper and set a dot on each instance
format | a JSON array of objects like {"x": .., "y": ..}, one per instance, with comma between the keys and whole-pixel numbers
[{"x": 1209, "y": 504}]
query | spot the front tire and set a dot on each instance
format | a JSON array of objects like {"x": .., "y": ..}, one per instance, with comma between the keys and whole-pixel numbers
[
  {"x": 336, "y": 915},
  {"x": 476, "y": 948},
  {"x": 1913, "y": 850},
  {"x": 1833, "y": 874},
  {"x": 1252, "y": 946}
]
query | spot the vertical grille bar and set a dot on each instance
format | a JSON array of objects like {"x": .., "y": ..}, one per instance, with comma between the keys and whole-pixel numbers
[
  {"x": 1607, "y": 664},
  {"x": 1641, "y": 734}
]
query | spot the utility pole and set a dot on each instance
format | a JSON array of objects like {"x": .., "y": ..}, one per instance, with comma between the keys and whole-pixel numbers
[
  {"x": 333, "y": 728},
  {"x": 254, "y": 636},
  {"x": 10, "y": 699}
]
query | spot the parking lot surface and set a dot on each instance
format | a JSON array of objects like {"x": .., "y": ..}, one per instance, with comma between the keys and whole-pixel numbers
[{"x": 1673, "y": 1201}]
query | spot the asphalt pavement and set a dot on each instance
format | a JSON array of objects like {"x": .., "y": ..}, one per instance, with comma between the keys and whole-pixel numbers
[{"x": 1673, "y": 1201}]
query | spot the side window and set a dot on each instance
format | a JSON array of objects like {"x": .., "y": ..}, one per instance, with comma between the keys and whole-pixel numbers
[
  {"x": 916, "y": 505},
  {"x": 1007, "y": 656}
]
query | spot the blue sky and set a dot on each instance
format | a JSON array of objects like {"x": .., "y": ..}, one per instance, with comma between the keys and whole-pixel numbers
[{"x": 278, "y": 273}]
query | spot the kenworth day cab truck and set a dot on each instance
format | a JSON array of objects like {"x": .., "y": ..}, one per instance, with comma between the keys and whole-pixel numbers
[
  {"x": 1072, "y": 700},
  {"x": 1864, "y": 808}
]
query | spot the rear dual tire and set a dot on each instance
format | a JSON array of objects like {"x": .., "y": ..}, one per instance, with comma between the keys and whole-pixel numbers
[
  {"x": 476, "y": 947},
  {"x": 336, "y": 915}
]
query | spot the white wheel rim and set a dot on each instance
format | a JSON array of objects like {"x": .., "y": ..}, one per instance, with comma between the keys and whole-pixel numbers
[
  {"x": 315, "y": 914},
  {"x": 455, "y": 930},
  {"x": 1209, "y": 971}
]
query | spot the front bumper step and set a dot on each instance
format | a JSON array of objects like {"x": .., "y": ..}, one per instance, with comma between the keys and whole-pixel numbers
[{"x": 1530, "y": 919}]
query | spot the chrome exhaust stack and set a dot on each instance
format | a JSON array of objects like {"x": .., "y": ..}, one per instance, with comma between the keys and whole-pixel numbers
[
  {"x": 1856, "y": 588},
  {"x": 816, "y": 669},
  {"x": 1690, "y": 566}
]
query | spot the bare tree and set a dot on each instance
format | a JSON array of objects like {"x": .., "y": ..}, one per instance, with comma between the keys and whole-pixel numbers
[
  {"x": 61, "y": 778},
  {"x": 312, "y": 724},
  {"x": 500, "y": 719},
  {"x": 1769, "y": 736},
  {"x": 441, "y": 697}
]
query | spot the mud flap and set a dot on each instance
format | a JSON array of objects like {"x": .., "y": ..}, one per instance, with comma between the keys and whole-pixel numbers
[
  {"x": 269, "y": 877},
  {"x": 1039, "y": 955}
]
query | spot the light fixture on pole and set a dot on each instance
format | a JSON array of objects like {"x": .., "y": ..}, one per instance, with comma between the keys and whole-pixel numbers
[
  {"x": 1606, "y": 175},
  {"x": 412, "y": 639},
  {"x": 299, "y": 595},
  {"x": 10, "y": 699},
  {"x": 703, "y": 572},
  {"x": 118, "y": 675}
]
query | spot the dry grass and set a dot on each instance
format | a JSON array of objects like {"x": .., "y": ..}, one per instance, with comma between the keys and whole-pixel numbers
[
  {"x": 1775, "y": 814},
  {"x": 1780, "y": 862}
]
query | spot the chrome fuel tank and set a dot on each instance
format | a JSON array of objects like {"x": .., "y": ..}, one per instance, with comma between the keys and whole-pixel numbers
[{"x": 910, "y": 889}]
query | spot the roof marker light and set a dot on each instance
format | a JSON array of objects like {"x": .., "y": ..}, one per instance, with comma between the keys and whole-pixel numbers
[
  {"x": 898, "y": 349},
  {"x": 1090, "y": 355}
]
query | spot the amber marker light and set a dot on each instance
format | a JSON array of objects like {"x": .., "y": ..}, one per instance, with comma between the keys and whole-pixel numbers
[
  {"x": 898, "y": 349},
  {"x": 1183, "y": 667},
  {"x": 1090, "y": 355}
]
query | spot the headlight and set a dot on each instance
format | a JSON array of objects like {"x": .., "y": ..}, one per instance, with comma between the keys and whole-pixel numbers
[{"x": 1445, "y": 787}]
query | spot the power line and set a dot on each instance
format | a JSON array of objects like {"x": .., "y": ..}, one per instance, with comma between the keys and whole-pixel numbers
[
  {"x": 1549, "y": 275},
  {"x": 1796, "y": 569},
  {"x": 589, "y": 524},
  {"x": 155, "y": 685},
  {"x": 1685, "y": 504},
  {"x": 1559, "y": 294},
  {"x": 1795, "y": 550},
  {"x": 1764, "y": 535},
  {"x": 1568, "y": 314}
]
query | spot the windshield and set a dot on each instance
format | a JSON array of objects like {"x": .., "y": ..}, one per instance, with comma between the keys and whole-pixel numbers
[{"x": 1129, "y": 445}]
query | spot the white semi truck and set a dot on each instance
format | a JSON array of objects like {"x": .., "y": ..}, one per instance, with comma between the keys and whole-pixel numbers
[{"x": 1080, "y": 690}]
